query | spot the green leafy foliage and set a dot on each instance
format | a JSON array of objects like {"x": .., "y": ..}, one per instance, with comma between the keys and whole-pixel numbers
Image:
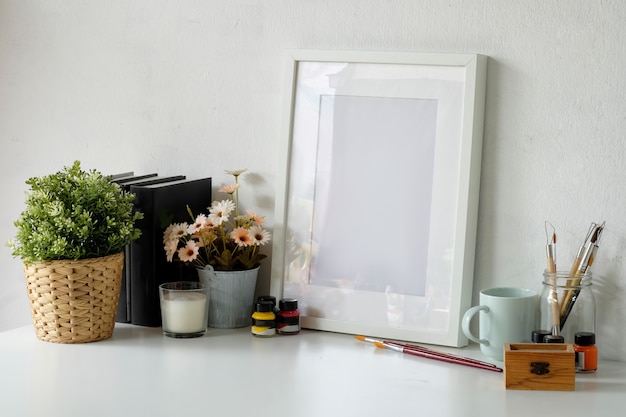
[{"x": 74, "y": 214}]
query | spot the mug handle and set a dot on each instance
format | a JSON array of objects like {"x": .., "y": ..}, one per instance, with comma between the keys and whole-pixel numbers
[{"x": 465, "y": 324}]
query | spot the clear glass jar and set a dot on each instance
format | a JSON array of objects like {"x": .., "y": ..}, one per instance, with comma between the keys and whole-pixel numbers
[{"x": 567, "y": 304}]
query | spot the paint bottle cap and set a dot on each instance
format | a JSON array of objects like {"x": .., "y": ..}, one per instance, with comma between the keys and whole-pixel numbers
[
  {"x": 585, "y": 338},
  {"x": 264, "y": 306},
  {"x": 553, "y": 339},
  {"x": 269, "y": 298},
  {"x": 288, "y": 304},
  {"x": 538, "y": 335}
]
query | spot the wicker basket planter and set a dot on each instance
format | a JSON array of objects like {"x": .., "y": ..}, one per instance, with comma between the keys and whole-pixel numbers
[{"x": 75, "y": 301}]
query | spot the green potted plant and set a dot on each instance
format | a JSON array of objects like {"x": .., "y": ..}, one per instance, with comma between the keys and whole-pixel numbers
[
  {"x": 224, "y": 246},
  {"x": 71, "y": 239}
]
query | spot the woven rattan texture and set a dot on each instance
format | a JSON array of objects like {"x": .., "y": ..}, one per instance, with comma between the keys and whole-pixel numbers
[{"x": 75, "y": 301}]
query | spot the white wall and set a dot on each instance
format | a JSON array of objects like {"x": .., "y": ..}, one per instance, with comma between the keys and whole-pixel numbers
[{"x": 195, "y": 87}]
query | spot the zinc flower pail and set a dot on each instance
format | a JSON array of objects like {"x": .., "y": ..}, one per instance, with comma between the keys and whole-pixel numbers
[{"x": 231, "y": 296}]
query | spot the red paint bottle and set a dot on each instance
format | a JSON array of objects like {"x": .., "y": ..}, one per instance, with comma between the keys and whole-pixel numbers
[{"x": 288, "y": 316}]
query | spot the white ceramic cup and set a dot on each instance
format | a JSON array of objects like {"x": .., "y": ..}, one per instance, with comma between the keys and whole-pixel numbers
[{"x": 507, "y": 315}]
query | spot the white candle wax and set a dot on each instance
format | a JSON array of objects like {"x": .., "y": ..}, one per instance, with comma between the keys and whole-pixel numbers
[{"x": 183, "y": 312}]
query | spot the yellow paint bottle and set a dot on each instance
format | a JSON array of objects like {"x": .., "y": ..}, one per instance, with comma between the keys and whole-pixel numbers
[{"x": 264, "y": 320}]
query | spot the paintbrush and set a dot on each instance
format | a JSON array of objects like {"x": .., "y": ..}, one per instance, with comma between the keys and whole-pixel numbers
[
  {"x": 583, "y": 263},
  {"x": 430, "y": 354},
  {"x": 551, "y": 269}
]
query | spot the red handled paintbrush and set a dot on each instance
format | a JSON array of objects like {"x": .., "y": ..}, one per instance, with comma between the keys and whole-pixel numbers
[{"x": 430, "y": 354}]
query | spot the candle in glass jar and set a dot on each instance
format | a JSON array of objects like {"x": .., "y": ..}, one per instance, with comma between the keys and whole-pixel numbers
[{"x": 183, "y": 312}]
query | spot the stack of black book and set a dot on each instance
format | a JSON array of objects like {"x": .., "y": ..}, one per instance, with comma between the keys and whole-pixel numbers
[{"x": 162, "y": 200}]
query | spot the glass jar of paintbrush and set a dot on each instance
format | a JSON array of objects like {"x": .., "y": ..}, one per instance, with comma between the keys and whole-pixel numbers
[{"x": 567, "y": 305}]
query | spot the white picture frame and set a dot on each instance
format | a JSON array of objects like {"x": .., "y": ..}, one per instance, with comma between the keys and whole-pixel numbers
[{"x": 377, "y": 193}]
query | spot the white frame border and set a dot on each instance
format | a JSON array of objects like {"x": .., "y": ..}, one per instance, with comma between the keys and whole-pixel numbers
[{"x": 467, "y": 199}]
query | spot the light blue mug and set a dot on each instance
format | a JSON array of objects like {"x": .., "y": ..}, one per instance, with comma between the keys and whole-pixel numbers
[{"x": 507, "y": 315}]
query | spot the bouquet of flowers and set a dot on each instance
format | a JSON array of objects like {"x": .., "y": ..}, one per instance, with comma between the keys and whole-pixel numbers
[{"x": 223, "y": 238}]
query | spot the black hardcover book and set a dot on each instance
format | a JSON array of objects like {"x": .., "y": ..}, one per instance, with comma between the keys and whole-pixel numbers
[
  {"x": 121, "y": 175},
  {"x": 124, "y": 180},
  {"x": 124, "y": 308},
  {"x": 161, "y": 204}
]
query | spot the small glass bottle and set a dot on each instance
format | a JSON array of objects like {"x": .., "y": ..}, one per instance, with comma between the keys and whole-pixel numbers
[
  {"x": 567, "y": 304},
  {"x": 288, "y": 317},
  {"x": 586, "y": 352},
  {"x": 263, "y": 320}
]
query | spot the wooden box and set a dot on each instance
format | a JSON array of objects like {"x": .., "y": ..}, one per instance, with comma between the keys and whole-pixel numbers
[{"x": 539, "y": 366}]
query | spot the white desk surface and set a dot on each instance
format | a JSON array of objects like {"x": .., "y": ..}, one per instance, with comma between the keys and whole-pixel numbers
[{"x": 139, "y": 372}]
